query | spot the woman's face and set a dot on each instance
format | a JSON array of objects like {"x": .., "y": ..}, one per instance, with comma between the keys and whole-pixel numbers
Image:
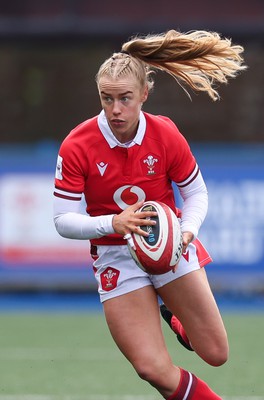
[{"x": 121, "y": 101}]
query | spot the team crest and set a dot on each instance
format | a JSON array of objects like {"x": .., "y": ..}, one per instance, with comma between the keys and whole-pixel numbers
[
  {"x": 58, "y": 174},
  {"x": 109, "y": 278},
  {"x": 150, "y": 164}
]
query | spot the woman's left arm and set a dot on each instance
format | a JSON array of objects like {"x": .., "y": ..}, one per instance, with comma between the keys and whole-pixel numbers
[{"x": 194, "y": 210}]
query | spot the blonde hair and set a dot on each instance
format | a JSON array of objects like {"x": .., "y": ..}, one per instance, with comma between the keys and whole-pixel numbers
[{"x": 198, "y": 59}]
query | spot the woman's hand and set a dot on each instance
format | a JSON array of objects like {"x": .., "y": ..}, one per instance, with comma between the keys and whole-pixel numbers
[
  {"x": 187, "y": 237},
  {"x": 130, "y": 221}
]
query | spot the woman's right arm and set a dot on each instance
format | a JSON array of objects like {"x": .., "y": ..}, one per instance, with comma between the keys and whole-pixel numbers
[{"x": 72, "y": 224}]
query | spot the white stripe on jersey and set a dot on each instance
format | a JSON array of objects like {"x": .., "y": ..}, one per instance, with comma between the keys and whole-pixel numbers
[
  {"x": 67, "y": 194},
  {"x": 190, "y": 177}
]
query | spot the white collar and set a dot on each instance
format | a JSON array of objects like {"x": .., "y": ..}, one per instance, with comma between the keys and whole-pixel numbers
[{"x": 112, "y": 140}]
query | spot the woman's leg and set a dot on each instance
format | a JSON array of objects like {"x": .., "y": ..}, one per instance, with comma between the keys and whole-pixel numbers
[
  {"x": 190, "y": 299},
  {"x": 135, "y": 325},
  {"x": 134, "y": 322}
]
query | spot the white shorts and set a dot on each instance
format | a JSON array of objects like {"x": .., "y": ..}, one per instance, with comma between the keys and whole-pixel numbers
[{"x": 117, "y": 273}]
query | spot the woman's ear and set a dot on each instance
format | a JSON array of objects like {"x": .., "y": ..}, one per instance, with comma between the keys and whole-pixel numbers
[{"x": 145, "y": 94}]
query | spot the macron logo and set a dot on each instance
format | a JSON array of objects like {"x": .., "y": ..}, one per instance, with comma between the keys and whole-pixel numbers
[{"x": 102, "y": 167}]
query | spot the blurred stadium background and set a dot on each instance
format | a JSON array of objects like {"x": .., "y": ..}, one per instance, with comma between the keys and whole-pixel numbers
[{"x": 50, "y": 52}]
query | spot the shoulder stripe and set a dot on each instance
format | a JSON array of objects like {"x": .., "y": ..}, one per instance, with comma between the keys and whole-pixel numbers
[
  {"x": 67, "y": 191},
  {"x": 67, "y": 195},
  {"x": 190, "y": 178}
]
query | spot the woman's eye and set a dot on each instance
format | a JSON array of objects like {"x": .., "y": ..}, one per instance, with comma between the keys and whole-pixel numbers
[{"x": 107, "y": 99}]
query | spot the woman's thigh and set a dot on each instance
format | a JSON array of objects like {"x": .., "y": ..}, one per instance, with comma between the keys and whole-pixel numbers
[
  {"x": 191, "y": 300},
  {"x": 134, "y": 321},
  {"x": 135, "y": 324}
]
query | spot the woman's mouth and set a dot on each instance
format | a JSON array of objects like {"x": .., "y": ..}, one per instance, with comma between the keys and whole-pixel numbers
[{"x": 117, "y": 122}]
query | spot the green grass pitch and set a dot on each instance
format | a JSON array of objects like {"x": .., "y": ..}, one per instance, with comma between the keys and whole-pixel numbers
[{"x": 67, "y": 356}]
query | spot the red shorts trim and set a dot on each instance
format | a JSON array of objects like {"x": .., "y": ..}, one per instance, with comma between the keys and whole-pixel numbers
[{"x": 203, "y": 256}]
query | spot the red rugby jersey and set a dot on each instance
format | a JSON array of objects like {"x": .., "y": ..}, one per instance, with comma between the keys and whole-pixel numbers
[{"x": 114, "y": 178}]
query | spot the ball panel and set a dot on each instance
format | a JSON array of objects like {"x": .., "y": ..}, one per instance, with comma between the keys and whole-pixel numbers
[
  {"x": 135, "y": 258},
  {"x": 154, "y": 245},
  {"x": 160, "y": 251},
  {"x": 177, "y": 242},
  {"x": 154, "y": 230}
]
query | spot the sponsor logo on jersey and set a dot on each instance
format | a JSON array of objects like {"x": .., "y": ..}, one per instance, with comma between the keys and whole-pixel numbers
[
  {"x": 101, "y": 167},
  {"x": 58, "y": 174},
  {"x": 109, "y": 278},
  {"x": 127, "y": 195},
  {"x": 150, "y": 164}
]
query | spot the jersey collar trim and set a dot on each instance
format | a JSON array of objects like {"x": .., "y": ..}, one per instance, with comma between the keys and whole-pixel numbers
[{"x": 111, "y": 139}]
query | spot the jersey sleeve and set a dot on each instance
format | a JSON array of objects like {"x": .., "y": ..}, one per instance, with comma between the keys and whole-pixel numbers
[
  {"x": 181, "y": 163},
  {"x": 70, "y": 175},
  {"x": 184, "y": 171}
]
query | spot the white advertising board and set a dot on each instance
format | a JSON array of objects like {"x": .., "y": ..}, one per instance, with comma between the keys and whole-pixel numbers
[{"x": 27, "y": 232}]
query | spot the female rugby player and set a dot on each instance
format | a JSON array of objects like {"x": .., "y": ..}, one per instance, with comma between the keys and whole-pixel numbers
[{"x": 124, "y": 156}]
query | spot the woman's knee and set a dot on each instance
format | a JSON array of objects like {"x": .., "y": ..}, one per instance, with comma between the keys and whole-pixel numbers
[
  {"x": 152, "y": 371},
  {"x": 147, "y": 372},
  {"x": 215, "y": 354}
]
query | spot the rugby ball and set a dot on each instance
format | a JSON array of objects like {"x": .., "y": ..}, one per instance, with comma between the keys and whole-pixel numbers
[{"x": 161, "y": 250}]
